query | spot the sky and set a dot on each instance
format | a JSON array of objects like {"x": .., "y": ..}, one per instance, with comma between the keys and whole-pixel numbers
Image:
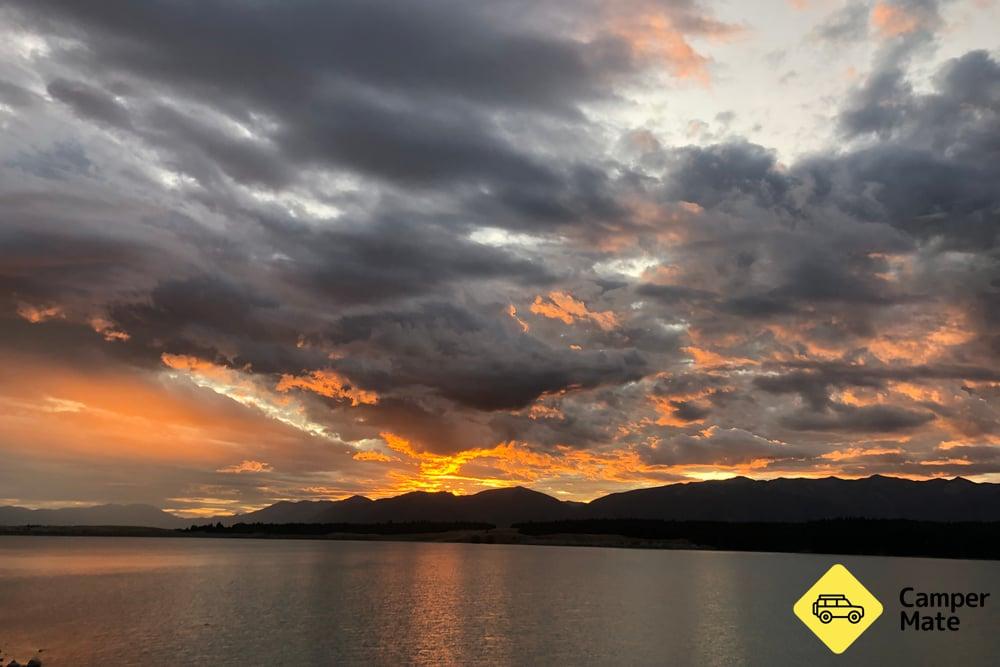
[{"x": 262, "y": 251}]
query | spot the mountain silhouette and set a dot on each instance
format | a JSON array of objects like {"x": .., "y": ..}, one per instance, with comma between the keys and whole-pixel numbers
[
  {"x": 498, "y": 506},
  {"x": 99, "y": 515},
  {"x": 735, "y": 500},
  {"x": 743, "y": 499}
]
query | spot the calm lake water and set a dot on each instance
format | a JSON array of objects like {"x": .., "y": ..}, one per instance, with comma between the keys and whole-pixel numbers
[{"x": 134, "y": 601}]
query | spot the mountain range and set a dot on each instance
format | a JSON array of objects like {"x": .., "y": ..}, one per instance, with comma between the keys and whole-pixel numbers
[
  {"x": 98, "y": 515},
  {"x": 738, "y": 499}
]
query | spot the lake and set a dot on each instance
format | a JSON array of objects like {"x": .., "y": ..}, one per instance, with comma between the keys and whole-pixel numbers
[{"x": 138, "y": 601}]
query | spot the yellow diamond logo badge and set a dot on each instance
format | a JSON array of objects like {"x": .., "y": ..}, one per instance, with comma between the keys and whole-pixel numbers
[{"x": 838, "y": 608}]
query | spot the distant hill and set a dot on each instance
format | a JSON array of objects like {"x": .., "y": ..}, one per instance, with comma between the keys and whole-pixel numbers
[
  {"x": 498, "y": 506},
  {"x": 738, "y": 499},
  {"x": 99, "y": 515},
  {"x": 742, "y": 499}
]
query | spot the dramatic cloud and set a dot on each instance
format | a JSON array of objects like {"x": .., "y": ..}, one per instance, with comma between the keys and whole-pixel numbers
[{"x": 253, "y": 251}]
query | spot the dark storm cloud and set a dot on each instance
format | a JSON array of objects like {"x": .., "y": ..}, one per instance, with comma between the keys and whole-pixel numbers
[
  {"x": 60, "y": 341},
  {"x": 578, "y": 195},
  {"x": 971, "y": 80},
  {"x": 89, "y": 102},
  {"x": 920, "y": 191},
  {"x": 932, "y": 174},
  {"x": 580, "y": 425},
  {"x": 936, "y": 170},
  {"x": 473, "y": 359},
  {"x": 865, "y": 419},
  {"x": 692, "y": 397},
  {"x": 878, "y": 105},
  {"x": 42, "y": 261},
  {"x": 759, "y": 306},
  {"x": 814, "y": 388},
  {"x": 412, "y": 145},
  {"x": 393, "y": 258},
  {"x": 814, "y": 381},
  {"x": 203, "y": 149},
  {"x": 318, "y": 173},
  {"x": 430, "y": 428},
  {"x": 907, "y": 26},
  {"x": 812, "y": 238},
  {"x": 771, "y": 246},
  {"x": 15, "y": 95},
  {"x": 690, "y": 411},
  {"x": 671, "y": 294},
  {"x": 405, "y": 94},
  {"x": 686, "y": 383},
  {"x": 247, "y": 324},
  {"x": 269, "y": 49},
  {"x": 204, "y": 306},
  {"x": 819, "y": 278},
  {"x": 253, "y": 323},
  {"x": 712, "y": 175},
  {"x": 71, "y": 241},
  {"x": 808, "y": 245},
  {"x": 728, "y": 447},
  {"x": 232, "y": 312},
  {"x": 972, "y": 453}
]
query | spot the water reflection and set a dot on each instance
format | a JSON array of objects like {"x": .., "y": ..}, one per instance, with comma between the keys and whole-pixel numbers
[{"x": 151, "y": 602}]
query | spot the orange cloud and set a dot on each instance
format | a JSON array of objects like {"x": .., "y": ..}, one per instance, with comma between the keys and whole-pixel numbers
[
  {"x": 923, "y": 339},
  {"x": 540, "y": 411},
  {"x": 857, "y": 397},
  {"x": 666, "y": 406},
  {"x": 37, "y": 314},
  {"x": 247, "y": 466},
  {"x": 562, "y": 306},
  {"x": 797, "y": 339},
  {"x": 591, "y": 472},
  {"x": 981, "y": 439},
  {"x": 655, "y": 33},
  {"x": 946, "y": 462},
  {"x": 917, "y": 392},
  {"x": 891, "y": 20},
  {"x": 657, "y": 38},
  {"x": 330, "y": 384},
  {"x": 859, "y": 452},
  {"x": 241, "y": 386},
  {"x": 191, "y": 364},
  {"x": 920, "y": 337},
  {"x": 107, "y": 329},
  {"x": 436, "y": 465},
  {"x": 710, "y": 359},
  {"x": 669, "y": 416},
  {"x": 373, "y": 456},
  {"x": 512, "y": 311}
]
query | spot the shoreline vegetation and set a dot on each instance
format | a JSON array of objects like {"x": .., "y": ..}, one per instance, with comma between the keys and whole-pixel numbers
[{"x": 870, "y": 537}]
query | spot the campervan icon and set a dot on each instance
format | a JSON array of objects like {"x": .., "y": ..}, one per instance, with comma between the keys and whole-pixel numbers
[{"x": 828, "y": 607}]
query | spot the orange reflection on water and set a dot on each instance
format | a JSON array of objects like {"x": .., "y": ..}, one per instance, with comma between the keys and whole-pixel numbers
[{"x": 19, "y": 557}]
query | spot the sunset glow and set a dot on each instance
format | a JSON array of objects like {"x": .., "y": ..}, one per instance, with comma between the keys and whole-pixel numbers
[{"x": 586, "y": 247}]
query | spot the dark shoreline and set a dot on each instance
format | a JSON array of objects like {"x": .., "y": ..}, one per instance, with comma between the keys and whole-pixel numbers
[{"x": 856, "y": 537}]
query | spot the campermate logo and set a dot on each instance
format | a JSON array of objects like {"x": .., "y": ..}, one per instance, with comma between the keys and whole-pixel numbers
[{"x": 838, "y": 608}]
